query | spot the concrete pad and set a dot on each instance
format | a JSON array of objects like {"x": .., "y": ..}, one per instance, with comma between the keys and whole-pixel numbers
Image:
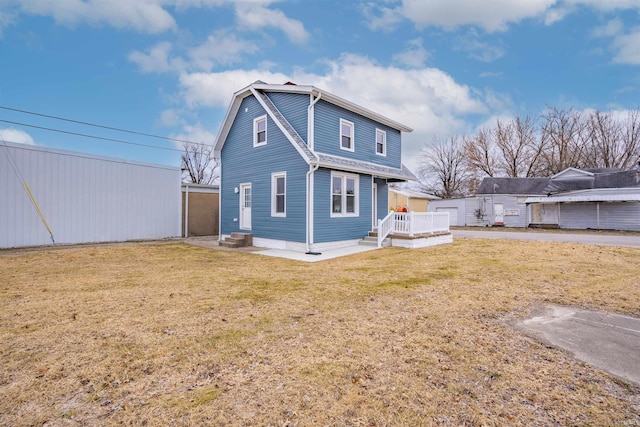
[
  {"x": 325, "y": 255},
  {"x": 607, "y": 341}
]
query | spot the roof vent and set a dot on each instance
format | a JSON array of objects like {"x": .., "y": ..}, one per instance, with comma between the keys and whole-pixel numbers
[{"x": 290, "y": 84}]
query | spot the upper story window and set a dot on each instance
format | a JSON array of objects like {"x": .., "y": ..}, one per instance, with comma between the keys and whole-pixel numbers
[
  {"x": 346, "y": 135},
  {"x": 259, "y": 131},
  {"x": 381, "y": 142},
  {"x": 344, "y": 194},
  {"x": 279, "y": 194}
]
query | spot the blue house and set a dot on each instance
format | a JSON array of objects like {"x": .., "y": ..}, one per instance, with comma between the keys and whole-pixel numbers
[{"x": 303, "y": 169}]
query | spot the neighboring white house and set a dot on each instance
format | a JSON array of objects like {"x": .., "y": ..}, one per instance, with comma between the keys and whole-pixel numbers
[
  {"x": 573, "y": 199},
  {"x": 83, "y": 198}
]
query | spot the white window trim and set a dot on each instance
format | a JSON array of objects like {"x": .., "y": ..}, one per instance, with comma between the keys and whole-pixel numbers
[
  {"x": 343, "y": 193},
  {"x": 353, "y": 134},
  {"x": 255, "y": 131},
  {"x": 384, "y": 142},
  {"x": 274, "y": 203}
]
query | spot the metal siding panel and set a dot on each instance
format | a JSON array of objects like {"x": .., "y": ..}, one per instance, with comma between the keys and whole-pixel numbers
[
  {"x": 328, "y": 229},
  {"x": 578, "y": 215},
  {"x": 245, "y": 163},
  {"x": 620, "y": 216},
  {"x": 84, "y": 199},
  {"x": 510, "y": 202},
  {"x": 327, "y": 136}
]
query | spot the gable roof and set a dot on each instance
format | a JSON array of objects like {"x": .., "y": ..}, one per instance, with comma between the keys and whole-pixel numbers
[
  {"x": 572, "y": 173},
  {"x": 521, "y": 186},
  {"x": 259, "y": 90},
  {"x": 570, "y": 179}
]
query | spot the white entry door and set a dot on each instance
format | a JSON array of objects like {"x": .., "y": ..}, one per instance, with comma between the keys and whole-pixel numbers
[
  {"x": 245, "y": 206},
  {"x": 498, "y": 210}
]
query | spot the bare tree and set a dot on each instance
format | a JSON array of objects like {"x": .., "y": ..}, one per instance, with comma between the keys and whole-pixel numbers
[
  {"x": 480, "y": 152},
  {"x": 562, "y": 134},
  {"x": 520, "y": 150},
  {"x": 443, "y": 168},
  {"x": 198, "y": 164},
  {"x": 602, "y": 147},
  {"x": 630, "y": 140}
]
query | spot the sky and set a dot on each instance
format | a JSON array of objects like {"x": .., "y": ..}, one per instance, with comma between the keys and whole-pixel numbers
[{"x": 169, "y": 68}]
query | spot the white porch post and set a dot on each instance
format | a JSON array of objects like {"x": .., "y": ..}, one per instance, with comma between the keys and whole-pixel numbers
[{"x": 411, "y": 222}]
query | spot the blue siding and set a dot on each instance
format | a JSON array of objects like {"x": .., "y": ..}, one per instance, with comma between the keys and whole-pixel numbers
[
  {"x": 242, "y": 163},
  {"x": 328, "y": 229},
  {"x": 293, "y": 107},
  {"x": 383, "y": 198},
  {"x": 327, "y": 136}
]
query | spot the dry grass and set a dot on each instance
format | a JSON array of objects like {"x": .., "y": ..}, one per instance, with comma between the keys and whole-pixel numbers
[{"x": 174, "y": 334}]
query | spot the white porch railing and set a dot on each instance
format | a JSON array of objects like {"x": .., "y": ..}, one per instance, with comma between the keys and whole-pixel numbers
[{"x": 412, "y": 223}]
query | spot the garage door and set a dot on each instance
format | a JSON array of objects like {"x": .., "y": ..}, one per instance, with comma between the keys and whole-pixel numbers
[{"x": 453, "y": 215}]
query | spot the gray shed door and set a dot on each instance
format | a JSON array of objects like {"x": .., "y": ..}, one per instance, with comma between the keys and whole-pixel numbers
[{"x": 453, "y": 215}]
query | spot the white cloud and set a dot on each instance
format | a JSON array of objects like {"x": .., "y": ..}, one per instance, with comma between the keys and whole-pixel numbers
[
  {"x": 381, "y": 18},
  {"x": 216, "y": 89},
  {"x": 156, "y": 59},
  {"x": 6, "y": 19},
  {"x": 16, "y": 135},
  {"x": 144, "y": 15},
  {"x": 625, "y": 46},
  {"x": 253, "y": 16},
  {"x": 491, "y": 15},
  {"x": 220, "y": 48},
  {"x": 170, "y": 118},
  {"x": 612, "y": 28},
  {"x": 194, "y": 133},
  {"x": 414, "y": 56},
  {"x": 477, "y": 49}
]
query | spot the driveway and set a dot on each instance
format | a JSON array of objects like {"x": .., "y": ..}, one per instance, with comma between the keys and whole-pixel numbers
[
  {"x": 607, "y": 341},
  {"x": 590, "y": 238}
]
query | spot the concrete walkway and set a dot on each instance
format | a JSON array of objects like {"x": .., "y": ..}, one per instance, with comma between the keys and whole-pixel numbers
[
  {"x": 607, "y": 341},
  {"x": 212, "y": 243},
  {"x": 589, "y": 238}
]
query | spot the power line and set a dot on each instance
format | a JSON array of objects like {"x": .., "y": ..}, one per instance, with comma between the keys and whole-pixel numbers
[
  {"x": 91, "y": 136},
  {"x": 100, "y": 126}
]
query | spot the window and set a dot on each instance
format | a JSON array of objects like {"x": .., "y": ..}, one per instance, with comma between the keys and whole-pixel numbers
[
  {"x": 344, "y": 195},
  {"x": 381, "y": 142},
  {"x": 346, "y": 135},
  {"x": 260, "y": 131},
  {"x": 278, "y": 194}
]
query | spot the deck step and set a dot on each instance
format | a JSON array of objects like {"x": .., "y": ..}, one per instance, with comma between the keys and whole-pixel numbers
[
  {"x": 237, "y": 240},
  {"x": 230, "y": 244},
  {"x": 373, "y": 241}
]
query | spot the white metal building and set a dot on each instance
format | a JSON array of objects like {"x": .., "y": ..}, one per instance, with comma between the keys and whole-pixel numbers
[{"x": 83, "y": 198}]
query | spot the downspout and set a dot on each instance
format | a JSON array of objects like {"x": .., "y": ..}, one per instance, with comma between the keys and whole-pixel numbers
[
  {"x": 309, "y": 177},
  {"x": 312, "y": 168},
  {"x": 220, "y": 200}
]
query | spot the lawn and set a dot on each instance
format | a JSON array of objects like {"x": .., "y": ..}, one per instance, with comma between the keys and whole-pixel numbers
[{"x": 176, "y": 334}]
